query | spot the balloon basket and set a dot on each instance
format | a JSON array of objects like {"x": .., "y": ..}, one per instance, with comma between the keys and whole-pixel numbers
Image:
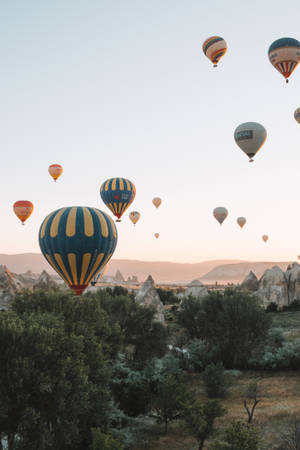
[
  {"x": 287, "y": 80},
  {"x": 118, "y": 220},
  {"x": 215, "y": 65},
  {"x": 251, "y": 160}
]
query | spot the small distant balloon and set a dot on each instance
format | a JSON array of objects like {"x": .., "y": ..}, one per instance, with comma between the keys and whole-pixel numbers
[
  {"x": 298, "y": 256},
  {"x": 284, "y": 55},
  {"x": 23, "y": 209},
  {"x": 134, "y": 217},
  {"x": 220, "y": 213},
  {"x": 297, "y": 115},
  {"x": 214, "y": 48},
  {"x": 55, "y": 171},
  {"x": 156, "y": 235},
  {"x": 250, "y": 137},
  {"x": 241, "y": 221},
  {"x": 265, "y": 238},
  {"x": 156, "y": 202}
]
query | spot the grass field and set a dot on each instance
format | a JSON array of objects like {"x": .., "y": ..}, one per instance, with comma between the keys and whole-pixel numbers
[
  {"x": 287, "y": 320},
  {"x": 279, "y": 401}
]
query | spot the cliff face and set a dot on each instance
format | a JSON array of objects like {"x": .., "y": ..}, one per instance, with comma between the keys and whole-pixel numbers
[{"x": 10, "y": 285}]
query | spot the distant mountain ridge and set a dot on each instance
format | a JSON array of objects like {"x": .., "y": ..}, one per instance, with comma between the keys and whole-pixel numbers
[
  {"x": 235, "y": 273},
  {"x": 161, "y": 271}
]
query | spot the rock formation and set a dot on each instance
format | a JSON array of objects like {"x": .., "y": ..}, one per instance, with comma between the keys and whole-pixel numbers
[
  {"x": 148, "y": 296},
  {"x": 119, "y": 277},
  {"x": 250, "y": 283},
  {"x": 9, "y": 287},
  {"x": 196, "y": 289},
  {"x": 273, "y": 287},
  {"x": 293, "y": 282},
  {"x": 45, "y": 282}
]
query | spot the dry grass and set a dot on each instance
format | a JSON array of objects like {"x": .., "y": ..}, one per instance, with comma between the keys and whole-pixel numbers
[{"x": 279, "y": 398}]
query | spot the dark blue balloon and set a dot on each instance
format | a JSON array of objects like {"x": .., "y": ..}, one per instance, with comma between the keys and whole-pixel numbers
[{"x": 78, "y": 242}]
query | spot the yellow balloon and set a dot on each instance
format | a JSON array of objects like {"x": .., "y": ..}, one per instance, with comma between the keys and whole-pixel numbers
[{"x": 134, "y": 217}]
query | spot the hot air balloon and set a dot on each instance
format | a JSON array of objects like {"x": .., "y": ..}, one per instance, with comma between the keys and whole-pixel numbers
[
  {"x": 23, "y": 209},
  {"x": 134, "y": 217},
  {"x": 284, "y": 55},
  {"x": 220, "y": 214},
  {"x": 99, "y": 275},
  {"x": 250, "y": 136},
  {"x": 156, "y": 235},
  {"x": 297, "y": 115},
  {"x": 265, "y": 238},
  {"x": 78, "y": 242},
  {"x": 241, "y": 221},
  {"x": 214, "y": 48},
  {"x": 298, "y": 257},
  {"x": 55, "y": 171},
  {"x": 117, "y": 194},
  {"x": 156, "y": 202}
]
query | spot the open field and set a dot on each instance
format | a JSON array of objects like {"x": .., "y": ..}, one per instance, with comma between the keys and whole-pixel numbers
[{"x": 279, "y": 400}]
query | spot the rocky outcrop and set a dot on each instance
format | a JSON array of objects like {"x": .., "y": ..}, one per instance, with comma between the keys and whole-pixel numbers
[
  {"x": 196, "y": 289},
  {"x": 250, "y": 283},
  {"x": 273, "y": 287},
  {"x": 293, "y": 281},
  {"x": 119, "y": 277},
  {"x": 10, "y": 285},
  {"x": 45, "y": 282},
  {"x": 148, "y": 296}
]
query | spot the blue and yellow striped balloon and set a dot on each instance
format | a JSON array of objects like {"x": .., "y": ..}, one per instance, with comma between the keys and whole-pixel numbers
[
  {"x": 78, "y": 242},
  {"x": 117, "y": 194}
]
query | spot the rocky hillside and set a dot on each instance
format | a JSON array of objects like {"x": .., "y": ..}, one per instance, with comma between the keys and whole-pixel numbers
[{"x": 235, "y": 273}]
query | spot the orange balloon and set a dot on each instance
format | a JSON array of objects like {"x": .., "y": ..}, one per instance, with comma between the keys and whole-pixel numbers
[
  {"x": 55, "y": 171},
  {"x": 23, "y": 209},
  {"x": 156, "y": 202}
]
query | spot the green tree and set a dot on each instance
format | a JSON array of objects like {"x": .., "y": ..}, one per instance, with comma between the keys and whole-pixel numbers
[
  {"x": 200, "y": 418},
  {"x": 168, "y": 402},
  {"x": 252, "y": 394},
  {"x": 215, "y": 380},
  {"x": 232, "y": 321},
  {"x": 238, "y": 436},
  {"x": 44, "y": 385},
  {"x": 102, "y": 441}
]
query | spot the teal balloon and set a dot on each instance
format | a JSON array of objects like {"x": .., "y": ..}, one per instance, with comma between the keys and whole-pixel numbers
[
  {"x": 117, "y": 194},
  {"x": 78, "y": 241}
]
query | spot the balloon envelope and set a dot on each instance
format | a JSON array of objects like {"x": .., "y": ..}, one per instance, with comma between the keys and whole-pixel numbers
[
  {"x": 156, "y": 201},
  {"x": 23, "y": 209},
  {"x": 284, "y": 55},
  {"x": 250, "y": 137},
  {"x": 55, "y": 171},
  {"x": 78, "y": 242},
  {"x": 241, "y": 221},
  {"x": 134, "y": 217},
  {"x": 220, "y": 213},
  {"x": 117, "y": 194},
  {"x": 214, "y": 48},
  {"x": 265, "y": 238},
  {"x": 297, "y": 115}
]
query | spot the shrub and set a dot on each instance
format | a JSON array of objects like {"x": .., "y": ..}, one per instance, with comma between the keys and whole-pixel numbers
[
  {"x": 272, "y": 307},
  {"x": 215, "y": 381}
]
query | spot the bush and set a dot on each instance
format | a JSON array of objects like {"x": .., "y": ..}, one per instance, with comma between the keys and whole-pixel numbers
[
  {"x": 285, "y": 357},
  {"x": 237, "y": 437},
  {"x": 101, "y": 441},
  {"x": 200, "y": 354},
  {"x": 272, "y": 307},
  {"x": 167, "y": 296},
  {"x": 215, "y": 381},
  {"x": 293, "y": 306}
]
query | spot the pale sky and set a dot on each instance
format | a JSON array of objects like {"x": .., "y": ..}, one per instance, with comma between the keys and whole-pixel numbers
[{"x": 121, "y": 88}]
